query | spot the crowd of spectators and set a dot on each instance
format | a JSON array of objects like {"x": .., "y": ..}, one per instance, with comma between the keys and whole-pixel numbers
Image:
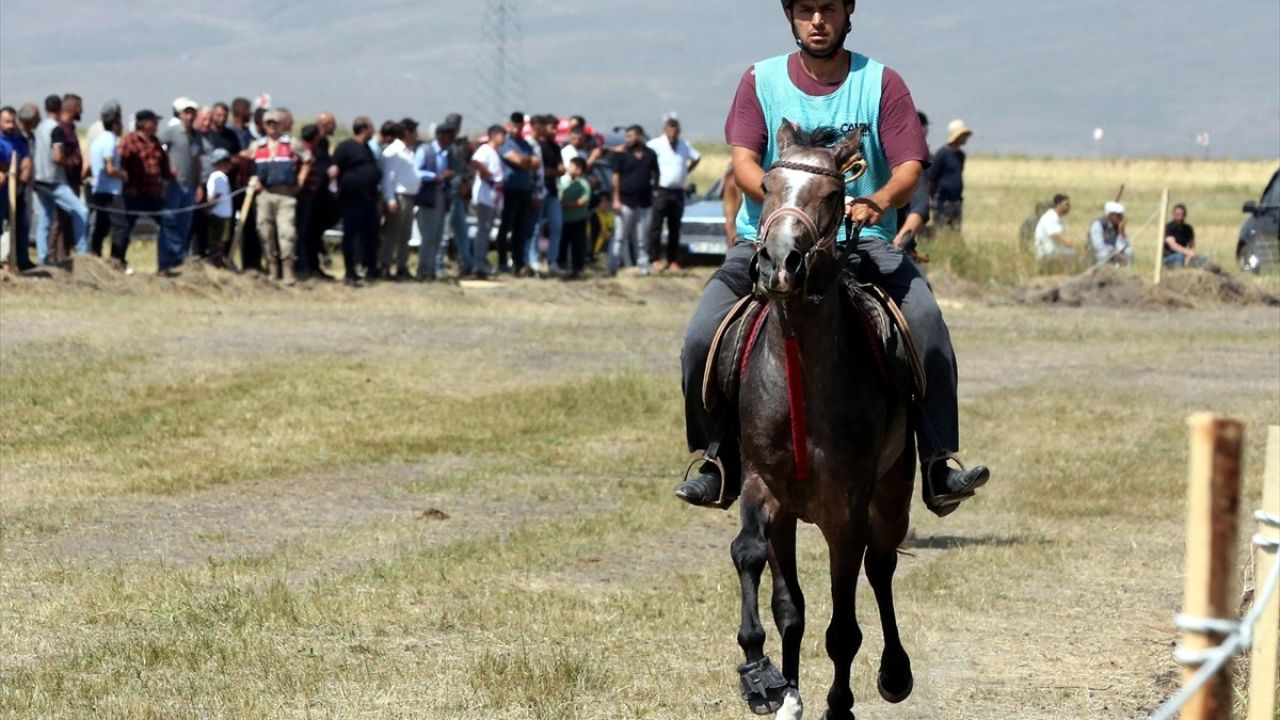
[{"x": 237, "y": 186}]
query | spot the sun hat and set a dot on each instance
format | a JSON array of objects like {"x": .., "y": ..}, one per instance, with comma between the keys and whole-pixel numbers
[
  {"x": 219, "y": 155},
  {"x": 955, "y": 129},
  {"x": 1114, "y": 208},
  {"x": 185, "y": 103},
  {"x": 274, "y": 116}
]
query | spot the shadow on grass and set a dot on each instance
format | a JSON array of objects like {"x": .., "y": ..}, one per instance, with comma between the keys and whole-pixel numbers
[{"x": 948, "y": 542}]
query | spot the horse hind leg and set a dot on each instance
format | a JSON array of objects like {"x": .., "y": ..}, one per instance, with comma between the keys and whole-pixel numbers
[
  {"x": 788, "y": 609},
  {"x": 890, "y": 514},
  {"x": 763, "y": 687}
]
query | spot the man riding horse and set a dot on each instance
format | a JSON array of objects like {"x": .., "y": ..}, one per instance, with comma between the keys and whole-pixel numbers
[{"x": 821, "y": 85}]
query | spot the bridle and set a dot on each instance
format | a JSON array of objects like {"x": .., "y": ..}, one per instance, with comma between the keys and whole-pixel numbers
[{"x": 823, "y": 242}]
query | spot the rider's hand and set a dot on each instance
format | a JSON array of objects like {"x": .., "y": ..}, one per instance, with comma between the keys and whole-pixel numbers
[{"x": 862, "y": 214}]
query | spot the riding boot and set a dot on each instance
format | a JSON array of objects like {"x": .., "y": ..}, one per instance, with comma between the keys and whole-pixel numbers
[
  {"x": 946, "y": 487},
  {"x": 718, "y": 481}
]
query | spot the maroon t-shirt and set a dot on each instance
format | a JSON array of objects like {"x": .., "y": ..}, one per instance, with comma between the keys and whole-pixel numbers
[{"x": 900, "y": 133}]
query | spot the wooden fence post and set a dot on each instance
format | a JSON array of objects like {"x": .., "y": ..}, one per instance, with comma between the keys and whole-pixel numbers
[
  {"x": 1213, "y": 506},
  {"x": 1164, "y": 213},
  {"x": 1266, "y": 637}
]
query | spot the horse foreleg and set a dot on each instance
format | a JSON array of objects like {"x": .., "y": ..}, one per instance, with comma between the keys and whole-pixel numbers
[
  {"x": 844, "y": 637},
  {"x": 788, "y": 608},
  {"x": 890, "y": 513},
  {"x": 763, "y": 687}
]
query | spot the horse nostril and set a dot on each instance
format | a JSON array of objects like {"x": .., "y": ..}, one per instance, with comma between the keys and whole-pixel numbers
[{"x": 793, "y": 262}]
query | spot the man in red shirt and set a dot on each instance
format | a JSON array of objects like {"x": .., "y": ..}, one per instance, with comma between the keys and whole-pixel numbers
[
  {"x": 147, "y": 173},
  {"x": 844, "y": 88}
]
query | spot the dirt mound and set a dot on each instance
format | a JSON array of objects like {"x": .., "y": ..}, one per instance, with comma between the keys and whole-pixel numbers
[
  {"x": 1116, "y": 287},
  {"x": 88, "y": 272},
  {"x": 947, "y": 285}
]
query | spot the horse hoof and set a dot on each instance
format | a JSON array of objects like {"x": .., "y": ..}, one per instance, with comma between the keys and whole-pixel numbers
[
  {"x": 895, "y": 696},
  {"x": 763, "y": 687}
]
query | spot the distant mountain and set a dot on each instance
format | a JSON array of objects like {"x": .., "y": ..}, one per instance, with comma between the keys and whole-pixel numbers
[{"x": 1030, "y": 77}]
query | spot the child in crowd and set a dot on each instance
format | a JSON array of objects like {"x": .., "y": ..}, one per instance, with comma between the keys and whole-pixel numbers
[
  {"x": 221, "y": 216},
  {"x": 575, "y": 198}
]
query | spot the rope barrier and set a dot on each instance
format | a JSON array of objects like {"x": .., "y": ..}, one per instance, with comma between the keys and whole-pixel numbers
[
  {"x": 1239, "y": 632},
  {"x": 166, "y": 211}
]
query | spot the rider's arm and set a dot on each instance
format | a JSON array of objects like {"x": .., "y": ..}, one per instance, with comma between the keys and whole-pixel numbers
[
  {"x": 895, "y": 193},
  {"x": 732, "y": 203},
  {"x": 748, "y": 173}
]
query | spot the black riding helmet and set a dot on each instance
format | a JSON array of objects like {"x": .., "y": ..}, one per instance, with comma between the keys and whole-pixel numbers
[
  {"x": 788, "y": 3},
  {"x": 848, "y": 28}
]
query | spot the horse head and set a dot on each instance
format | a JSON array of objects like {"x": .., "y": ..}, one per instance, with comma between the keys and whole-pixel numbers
[{"x": 803, "y": 206}]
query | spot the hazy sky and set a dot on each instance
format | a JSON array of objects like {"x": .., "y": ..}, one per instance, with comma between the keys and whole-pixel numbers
[{"x": 1030, "y": 77}]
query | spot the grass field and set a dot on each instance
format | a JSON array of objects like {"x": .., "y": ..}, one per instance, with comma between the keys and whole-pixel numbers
[{"x": 446, "y": 503}]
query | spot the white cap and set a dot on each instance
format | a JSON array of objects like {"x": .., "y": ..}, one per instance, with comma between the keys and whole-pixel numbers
[
  {"x": 185, "y": 103},
  {"x": 1114, "y": 208}
]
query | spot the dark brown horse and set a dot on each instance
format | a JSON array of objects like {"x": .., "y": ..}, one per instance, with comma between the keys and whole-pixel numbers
[{"x": 824, "y": 431}]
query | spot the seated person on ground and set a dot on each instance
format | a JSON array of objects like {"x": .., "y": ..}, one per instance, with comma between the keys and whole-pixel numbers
[
  {"x": 1108, "y": 239},
  {"x": 1051, "y": 235},
  {"x": 1180, "y": 241}
]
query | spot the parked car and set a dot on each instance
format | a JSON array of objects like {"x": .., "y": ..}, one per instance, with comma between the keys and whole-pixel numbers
[
  {"x": 702, "y": 229},
  {"x": 1259, "y": 245}
]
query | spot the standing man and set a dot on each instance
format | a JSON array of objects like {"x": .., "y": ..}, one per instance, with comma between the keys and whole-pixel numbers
[
  {"x": 1180, "y": 241},
  {"x": 400, "y": 185},
  {"x": 147, "y": 177},
  {"x": 434, "y": 163},
  {"x": 823, "y": 85},
  {"x": 242, "y": 121},
  {"x": 19, "y": 171},
  {"x": 946, "y": 176},
  {"x": 552, "y": 170},
  {"x": 108, "y": 178},
  {"x": 458, "y": 194},
  {"x": 487, "y": 196},
  {"x": 635, "y": 174},
  {"x": 321, "y": 210},
  {"x": 1051, "y": 234},
  {"x": 517, "y": 197},
  {"x": 62, "y": 236},
  {"x": 180, "y": 143},
  {"x": 676, "y": 159},
  {"x": 281, "y": 167},
  {"x": 356, "y": 171},
  {"x": 1108, "y": 239},
  {"x": 52, "y": 182}
]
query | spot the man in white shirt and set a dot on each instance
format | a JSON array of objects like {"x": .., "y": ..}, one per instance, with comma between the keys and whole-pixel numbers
[
  {"x": 676, "y": 159},
  {"x": 486, "y": 196},
  {"x": 400, "y": 184},
  {"x": 1051, "y": 235}
]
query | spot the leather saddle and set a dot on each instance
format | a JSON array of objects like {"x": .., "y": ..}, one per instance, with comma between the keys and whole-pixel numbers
[{"x": 873, "y": 313}]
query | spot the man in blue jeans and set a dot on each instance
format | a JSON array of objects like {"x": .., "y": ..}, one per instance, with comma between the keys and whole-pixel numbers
[
  {"x": 14, "y": 153},
  {"x": 53, "y": 190},
  {"x": 180, "y": 144}
]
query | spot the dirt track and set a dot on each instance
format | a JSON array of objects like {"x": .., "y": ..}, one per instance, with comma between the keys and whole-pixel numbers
[{"x": 1050, "y": 597}]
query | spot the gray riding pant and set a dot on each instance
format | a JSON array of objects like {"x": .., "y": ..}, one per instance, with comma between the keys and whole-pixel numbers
[{"x": 936, "y": 419}]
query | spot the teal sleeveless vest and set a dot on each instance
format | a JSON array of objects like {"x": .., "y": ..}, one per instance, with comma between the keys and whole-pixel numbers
[{"x": 856, "y": 102}]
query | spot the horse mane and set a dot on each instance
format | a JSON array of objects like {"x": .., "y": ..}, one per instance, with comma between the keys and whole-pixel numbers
[{"x": 824, "y": 136}]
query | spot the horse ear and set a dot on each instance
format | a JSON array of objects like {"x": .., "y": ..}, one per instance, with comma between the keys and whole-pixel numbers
[
  {"x": 849, "y": 154},
  {"x": 786, "y": 135}
]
